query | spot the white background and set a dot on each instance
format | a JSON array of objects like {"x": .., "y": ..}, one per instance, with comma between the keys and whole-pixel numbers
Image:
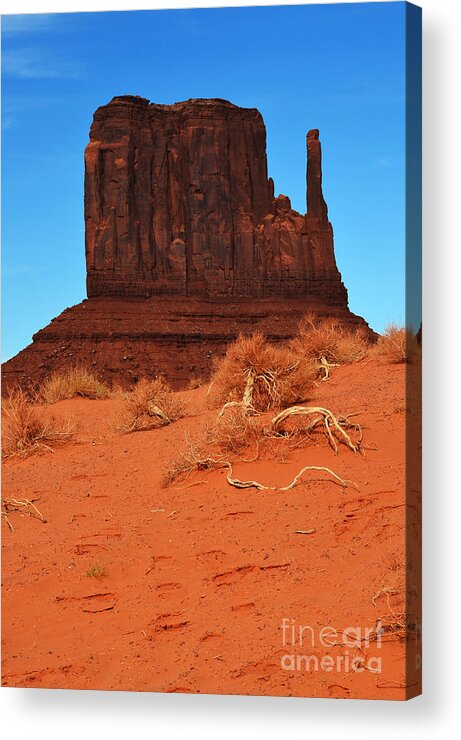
[{"x": 77, "y": 714}]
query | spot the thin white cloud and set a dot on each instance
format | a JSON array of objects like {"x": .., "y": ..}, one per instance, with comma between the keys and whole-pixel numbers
[
  {"x": 31, "y": 63},
  {"x": 27, "y": 23}
]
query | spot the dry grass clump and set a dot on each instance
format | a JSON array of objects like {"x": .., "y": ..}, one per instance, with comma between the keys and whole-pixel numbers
[
  {"x": 230, "y": 433},
  {"x": 74, "y": 381},
  {"x": 261, "y": 376},
  {"x": 149, "y": 405},
  {"x": 26, "y": 431},
  {"x": 352, "y": 345},
  {"x": 195, "y": 456},
  {"x": 96, "y": 571},
  {"x": 234, "y": 430},
  {"x": 398, "y": 344},
  {"x": 328, "y": 342}
]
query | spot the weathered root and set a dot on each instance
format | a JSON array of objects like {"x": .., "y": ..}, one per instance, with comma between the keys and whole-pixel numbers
[
  {"x": 254, "y": 484},
  {"x": 230, "y": 405},
  {"x": 5, "y": 516},
  {"x": 325, "y": 366},
  {"x": 12, "y": 504},
  {"x": 247, "y": 399},
  {"x": 157, "y": 411},
  {"x": 398, "y": 626},
  {"x": 330, "y": 422},
  {"x": 194, "y": 460},
  {"x": 242, "y": 483},
  {"x": 342, "y": 481}
]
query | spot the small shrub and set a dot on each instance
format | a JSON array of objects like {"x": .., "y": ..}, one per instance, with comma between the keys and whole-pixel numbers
[
  {"x": 278, "y": 376},
  {"x": 150, "y": 404},
  {"x": 96, "y": 571},
  {"x": 398, "y": 344},
  {"x": 75, "y": 381},
  {"x": 193, "y": 457},
  {"x": 233, "y": 431},
  {"x": 26, "y": 431},
  {"x": 329, "y": 339},
  {"x": 352, "y": 346}
]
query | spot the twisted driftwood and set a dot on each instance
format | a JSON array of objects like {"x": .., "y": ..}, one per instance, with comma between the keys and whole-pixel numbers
[
  {"x": 330, "y": 421},
  {"x": 254, "y": 484}
]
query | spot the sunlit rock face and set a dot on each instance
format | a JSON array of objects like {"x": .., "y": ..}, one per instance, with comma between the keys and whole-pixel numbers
[{"x": 178, "y": 201}]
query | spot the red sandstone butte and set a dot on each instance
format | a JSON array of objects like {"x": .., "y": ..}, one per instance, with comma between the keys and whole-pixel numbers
[{"x": 186, "y": 245}]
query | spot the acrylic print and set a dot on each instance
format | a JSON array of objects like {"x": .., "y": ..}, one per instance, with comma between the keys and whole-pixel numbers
[{"x": 212, "y": 351}]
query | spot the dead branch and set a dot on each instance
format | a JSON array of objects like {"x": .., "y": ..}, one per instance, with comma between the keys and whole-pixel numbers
[
  {"x": 12, "y": 504},
  {"x": 247, "y": 399},
  {"x": 255, "y": 484},
  {"x": 329, "y": 420},
  {"x": 325, "y": 366},
  {"x": 157, "y": 411}
]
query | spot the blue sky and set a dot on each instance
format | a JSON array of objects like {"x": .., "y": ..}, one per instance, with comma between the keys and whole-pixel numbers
[{"x": 339, "y": 68}]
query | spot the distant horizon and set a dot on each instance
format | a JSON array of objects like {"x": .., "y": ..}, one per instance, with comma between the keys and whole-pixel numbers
[{"x": 58, "y": 69}]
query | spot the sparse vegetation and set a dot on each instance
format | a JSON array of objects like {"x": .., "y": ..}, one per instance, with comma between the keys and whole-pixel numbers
[
  {"x": 233, "y": 430},
  {"x": 328, "y": 343},
  {"x": 255, "y": 377},
  {"x": 193, "y": 457},
  {"x": 398, "y": 344},
  {"x": 261, "y": 376},
  {"x": 27, "y": 430},
  {"x": 72, "y": 382},
  {"x": 150, "y": 404},
  {"x": 96, "y": 571}
]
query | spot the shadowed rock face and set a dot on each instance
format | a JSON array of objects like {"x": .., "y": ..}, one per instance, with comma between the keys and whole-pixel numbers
[
  {"x": 178, "y": 201},
  {"x": 186, "y": 247}
]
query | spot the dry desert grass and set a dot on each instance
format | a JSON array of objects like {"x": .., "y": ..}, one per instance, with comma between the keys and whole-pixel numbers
[
  {"x": 255, "y": 377},
  {"x": 25, "y": 430},
  {"x": 328, "y": 342},
  {"x": 398, "y": 344},
  {"x": 234, "y": 430},
  {"x": 195, "y": 455},
  {"x": 264, "y": 376},
  {"x": 150, "y": 404},
  {"x": 72, "y": 382},
  {"x": 97, "y": 570}
]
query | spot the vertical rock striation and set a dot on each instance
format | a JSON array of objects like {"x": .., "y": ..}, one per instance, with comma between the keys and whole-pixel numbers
[{"x": 178, "y": 201}]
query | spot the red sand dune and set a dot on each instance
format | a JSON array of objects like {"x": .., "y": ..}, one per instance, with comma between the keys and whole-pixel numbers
[{"x": 199, "y": 576}]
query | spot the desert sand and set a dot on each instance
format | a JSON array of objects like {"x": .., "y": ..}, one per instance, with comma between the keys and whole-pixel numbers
[{"x": 192, "y": 582}]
